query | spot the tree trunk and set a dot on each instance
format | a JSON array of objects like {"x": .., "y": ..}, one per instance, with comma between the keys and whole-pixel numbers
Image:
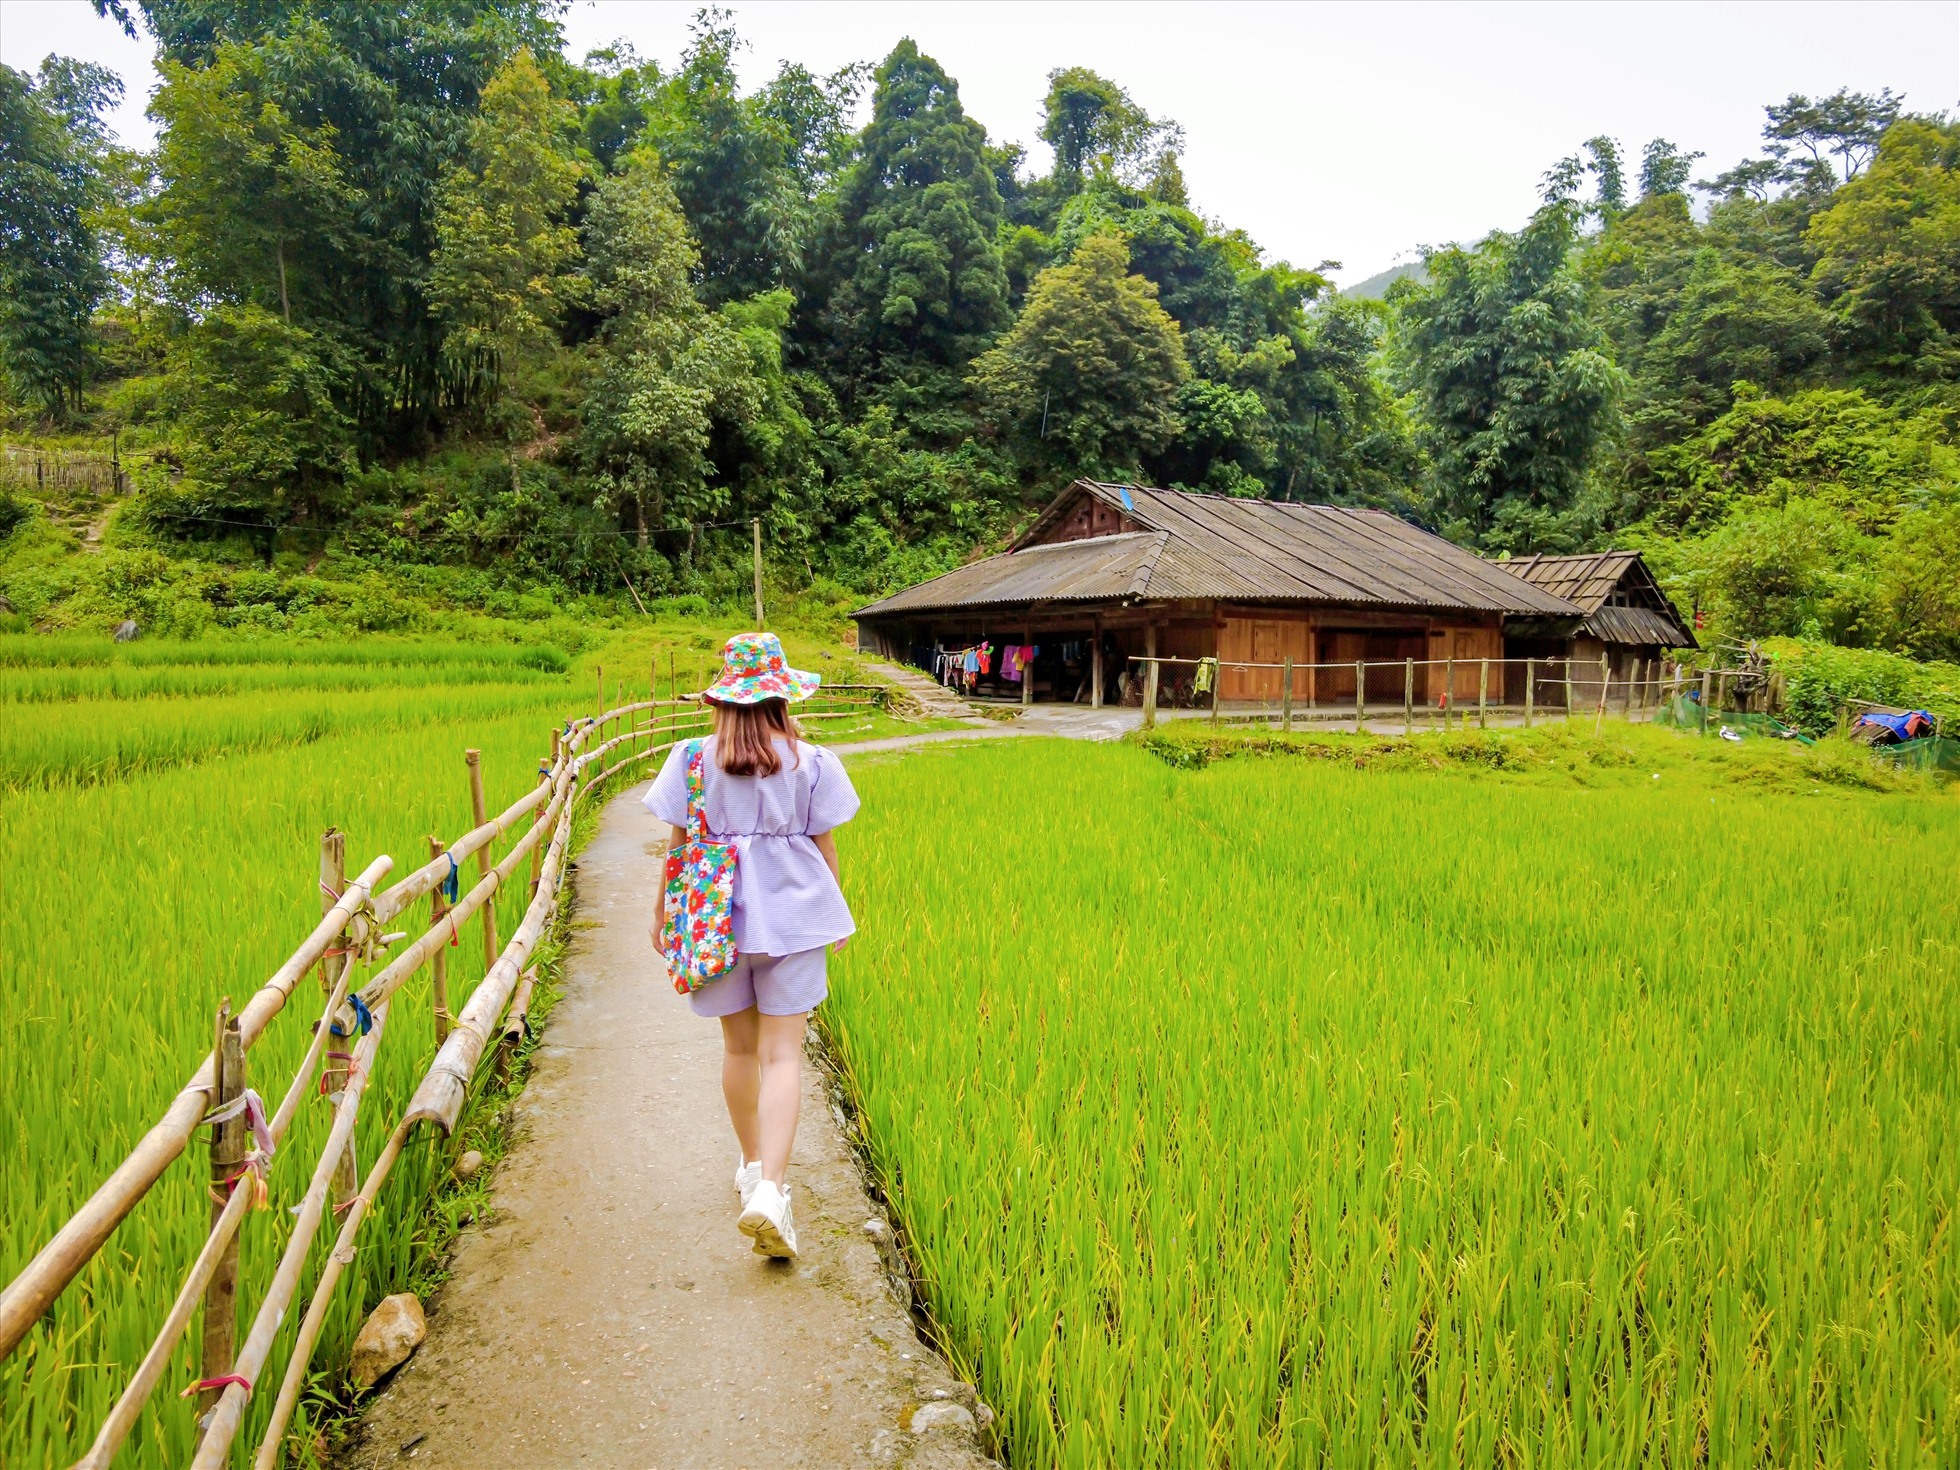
[{"x": 285, "y": 304}]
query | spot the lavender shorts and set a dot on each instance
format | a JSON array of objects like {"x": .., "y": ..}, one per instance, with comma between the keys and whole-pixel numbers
[{"x": 775, "y": 984}]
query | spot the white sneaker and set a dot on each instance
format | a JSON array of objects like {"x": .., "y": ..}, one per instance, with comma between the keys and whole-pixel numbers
[
  {"x": 767, "y": 1221},
  {"x": 747, "y": 1176}
]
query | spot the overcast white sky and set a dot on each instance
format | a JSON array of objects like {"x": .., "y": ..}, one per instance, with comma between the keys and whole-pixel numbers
[{"x": 1346, "y": 132}]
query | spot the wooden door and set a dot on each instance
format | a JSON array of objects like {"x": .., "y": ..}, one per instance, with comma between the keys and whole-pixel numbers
[{"x": 1260, "y": 641}]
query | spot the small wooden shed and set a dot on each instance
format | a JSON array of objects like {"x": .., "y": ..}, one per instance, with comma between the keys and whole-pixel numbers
[
  {"x": 1109, "y": 573},
  {"x": 1628, "y": 619}
]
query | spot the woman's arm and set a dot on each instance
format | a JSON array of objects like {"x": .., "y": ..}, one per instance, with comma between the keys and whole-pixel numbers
[
  {"x": 675, "y": 837},
  {"x": 827, "y": 845}
]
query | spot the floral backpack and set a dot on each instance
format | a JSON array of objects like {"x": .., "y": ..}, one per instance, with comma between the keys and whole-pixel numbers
[{"x": 699, "y": 936}]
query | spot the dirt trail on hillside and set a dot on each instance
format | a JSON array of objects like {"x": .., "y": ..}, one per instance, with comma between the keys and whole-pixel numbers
[{"x": 609, "y": 1314}]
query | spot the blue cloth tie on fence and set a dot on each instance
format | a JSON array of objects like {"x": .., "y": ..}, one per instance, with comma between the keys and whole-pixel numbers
[
  {"x": 361, "y": 1014},
  {"x": 450, "y": 885}
]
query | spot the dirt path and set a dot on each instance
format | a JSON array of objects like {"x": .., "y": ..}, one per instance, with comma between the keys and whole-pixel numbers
[{"x": 610, "y": 1315}]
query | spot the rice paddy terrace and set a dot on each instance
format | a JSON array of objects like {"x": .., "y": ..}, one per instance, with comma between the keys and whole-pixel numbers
[{"x": 1533, "y": 1100}]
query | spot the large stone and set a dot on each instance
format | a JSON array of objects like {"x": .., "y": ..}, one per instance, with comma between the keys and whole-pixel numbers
[
  {"x": 125, "y": 630},
  {"x": 394, "y": 1331},
  {"x": 468, "y": 1165},
  {"x": 942, "y": 1414}
]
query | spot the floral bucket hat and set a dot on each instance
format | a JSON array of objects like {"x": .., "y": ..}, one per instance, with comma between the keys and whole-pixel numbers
[{"x": 752, "y": 670}]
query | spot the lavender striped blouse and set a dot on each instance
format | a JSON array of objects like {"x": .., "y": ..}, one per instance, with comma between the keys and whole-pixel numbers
[{"x": 785, "y": 898}]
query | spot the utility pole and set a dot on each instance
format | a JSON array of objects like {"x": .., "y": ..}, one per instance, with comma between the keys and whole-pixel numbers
[{"x": 756, "y": 525}]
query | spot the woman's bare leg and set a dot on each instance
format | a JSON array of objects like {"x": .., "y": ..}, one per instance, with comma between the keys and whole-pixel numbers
[
  {"x": 741, "y": 1078},
  {"x": 779, "y": 1050}
]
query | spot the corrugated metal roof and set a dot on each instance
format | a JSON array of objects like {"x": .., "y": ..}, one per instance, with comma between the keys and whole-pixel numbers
[
  {"x": 1104, "y": 568},
  {"x": 1590, "y": 578},
  {"x": 1215, "y": 546}
]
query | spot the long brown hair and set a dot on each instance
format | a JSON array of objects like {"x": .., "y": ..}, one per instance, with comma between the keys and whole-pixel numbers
[{"x": 745, "y": 736}]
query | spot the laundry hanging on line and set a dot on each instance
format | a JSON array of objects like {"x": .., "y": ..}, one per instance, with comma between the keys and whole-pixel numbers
[{"x": 1015, "y": 658}]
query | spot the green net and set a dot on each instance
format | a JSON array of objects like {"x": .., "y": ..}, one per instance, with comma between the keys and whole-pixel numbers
[
  {"x": 1933, "y": 753},
  {"x": 1687, "y": 714}
]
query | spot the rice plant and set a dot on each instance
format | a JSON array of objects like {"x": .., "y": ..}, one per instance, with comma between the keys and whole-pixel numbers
[{"x": 1282, "y": 1113}]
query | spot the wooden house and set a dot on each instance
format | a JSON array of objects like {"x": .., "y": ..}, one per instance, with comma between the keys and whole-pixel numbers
[
  {"x": 1629, "y": 621},
  {"x": 1110, "y": 573}
]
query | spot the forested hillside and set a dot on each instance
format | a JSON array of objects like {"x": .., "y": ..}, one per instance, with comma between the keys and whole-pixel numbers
[{"x": 408, "y": 309}]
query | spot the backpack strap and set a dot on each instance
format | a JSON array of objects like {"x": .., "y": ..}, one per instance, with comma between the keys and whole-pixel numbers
[{"x": 697, "y": 801}]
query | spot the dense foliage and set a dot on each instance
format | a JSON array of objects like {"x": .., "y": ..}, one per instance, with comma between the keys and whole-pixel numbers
[{"x": 410, "y": 283}]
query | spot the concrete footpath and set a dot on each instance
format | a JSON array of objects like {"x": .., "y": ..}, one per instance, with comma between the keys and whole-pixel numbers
[{"x": 610, "y": 1314}]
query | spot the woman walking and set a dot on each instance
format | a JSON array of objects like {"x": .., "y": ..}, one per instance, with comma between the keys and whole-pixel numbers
[{"x": 758, "y": 787}]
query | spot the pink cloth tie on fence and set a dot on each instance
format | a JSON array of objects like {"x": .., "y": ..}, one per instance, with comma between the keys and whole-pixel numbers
[{"x": 225, "y": 1382}]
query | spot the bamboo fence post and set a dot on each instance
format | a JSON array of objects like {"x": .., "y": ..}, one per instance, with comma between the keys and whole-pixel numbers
[
  {"x": 1150, "y": 676},
  {"x": 1286, "y": 694},
  {"x": 474, "y": 759},
  {"x": 1605, "y": 683},
  {"x": 333, "y": 878},
  {"x": 1449, "y": 690},
  {"x": 439, "y": 961},
  {"x": 1408, "y": 696},
  {"x": 1217, "y": 688},
  {"x": 1530, "y": 688},
  {"x": 1483, "y": 691},
  {"x": 756, "y": 526},
  {"x": 1707, "y": 697},
  {"x": 1568, "y": 688},
  {"x": 1637, "y": 690},
  {"x": 1360, "y": 697},
  {"x": 227, "y": 1153}
]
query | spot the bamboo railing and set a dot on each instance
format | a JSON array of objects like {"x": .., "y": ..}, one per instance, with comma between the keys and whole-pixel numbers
[
  {"x": 1307, "y": 690},
  {"x": 587, "y": 754}
]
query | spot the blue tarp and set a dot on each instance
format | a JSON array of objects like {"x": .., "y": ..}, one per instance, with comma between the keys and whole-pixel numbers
[{"x": 1908, "y": 726}]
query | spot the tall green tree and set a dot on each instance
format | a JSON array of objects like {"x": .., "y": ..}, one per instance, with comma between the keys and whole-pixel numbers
[
  {"x": 500, "y": 278},
  {"x": 668, "y": 367},
  {"x": 912, "y": 287},
  {"x": 1515, "y": 392},
  {"x": 1087, "y": 376},
  {"x": 52, "y": 152},
  {"x": 1097, "y": 128},
  {"x": 1888, "y": 254},
  {"x": 392, "y": 92}
]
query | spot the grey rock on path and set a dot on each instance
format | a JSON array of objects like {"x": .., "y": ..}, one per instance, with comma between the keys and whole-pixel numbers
[{"x": 610, "y": 1314}]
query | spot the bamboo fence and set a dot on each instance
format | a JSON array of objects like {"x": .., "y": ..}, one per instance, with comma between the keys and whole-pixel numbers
[
  {"x": 1564, "y": 687},
  {"x": 587, "y": 754}
]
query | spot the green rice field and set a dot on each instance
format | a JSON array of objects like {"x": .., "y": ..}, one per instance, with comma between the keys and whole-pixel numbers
[
  {"x": 1593, "y": 1106},
  {"x": 160, "y": 816}
]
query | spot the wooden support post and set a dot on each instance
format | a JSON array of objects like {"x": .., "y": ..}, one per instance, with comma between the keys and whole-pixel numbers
[
  {"x": 1096, "y": 668},
  {"x": 228, "y": 1141},
  {"x": 1150, "y": 676},
  {"x": 1286, "y": 694},
  {"x": 1408, "y": 696},
  {"x": 474, "y": 758},
  {"x": 1530, "y": 688},
  {"x": 1483, "y": 692},
  {"x": 756, "y": 526},
  {"x": 333, "y": 878},
  {"x": 1027, "y": 669},
  {"x": 1360, "y": 697},
  {"x": 439, "y": 961}
]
